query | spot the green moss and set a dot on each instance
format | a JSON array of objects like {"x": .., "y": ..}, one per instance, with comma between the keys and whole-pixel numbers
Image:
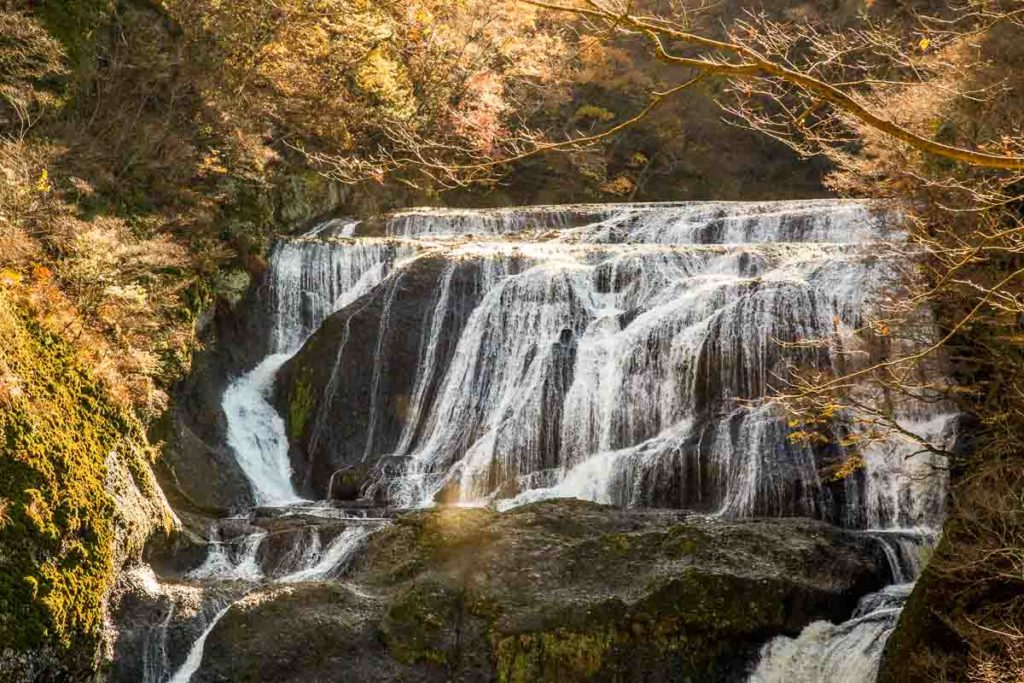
[
  {"x": 57, "y": 429},
  {"x": 691, "y": 623},
  {"x": 559, "y": 655},
  {"x": 419, "y": 622},
  {"x": 616, "y": 543},
  {"x": 300, "y": 406},
  {"x": 683, "y": 540}
]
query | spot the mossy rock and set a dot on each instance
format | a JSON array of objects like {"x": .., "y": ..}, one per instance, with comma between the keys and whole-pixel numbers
[
  {"x": 555, "y": 591},
  {"x": 300, "y": 407},
  {"x": 559, "y": 655},
  {"x": 418, "y": 624},
  {"x": 573, "y": 591},
  {"x": 77, "y": 496}
]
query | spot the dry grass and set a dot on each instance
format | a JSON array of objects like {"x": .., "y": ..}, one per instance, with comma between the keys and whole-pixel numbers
[{"x": 116, "y": 294}]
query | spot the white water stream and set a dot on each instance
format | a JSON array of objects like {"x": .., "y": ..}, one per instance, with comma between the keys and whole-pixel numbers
[
  {"x": 621, "y": 358},
  {"x": 309, "y": 281},
  {"x": 849, "y": 652},
  {"x": 195, "y": 653},
  {"x": 315, "y": 565}
]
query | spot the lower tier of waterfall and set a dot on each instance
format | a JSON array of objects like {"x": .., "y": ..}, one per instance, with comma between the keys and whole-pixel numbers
[
  {"x": 463, "y": 581},
  {"x": 301, "y": 544},
  {"x": 195, "y": 653},
  {"x": 849, "y": 652},
  {"x": 256, "y": 433}
]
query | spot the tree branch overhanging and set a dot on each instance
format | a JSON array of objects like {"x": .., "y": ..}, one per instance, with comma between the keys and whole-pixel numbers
[{"x": 754, "y": 65}]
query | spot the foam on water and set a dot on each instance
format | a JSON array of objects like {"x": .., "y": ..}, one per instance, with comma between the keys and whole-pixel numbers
[{"x": 838, "y": 653}]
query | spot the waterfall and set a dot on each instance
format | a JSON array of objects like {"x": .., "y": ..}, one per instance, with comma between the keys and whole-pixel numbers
[
  {"x": 824, "y": 220},
  {"x": 845, "y": 653},
  {"x": 308, "y": 279},
  {"x": 314, "y": 564},
  {"x": 155, "y": 658},
  {"x": 850, "y": 652},
  {"x": 624, "y": 354},
  {"x": 223, "y": 565},
  {"x": 307, "y": 560},
  {"x": 334, "y": 559},
  {"x": 257, "y": 434},
  {"x": 155, "y": 662},
  {"x": 195, "y": 653}
]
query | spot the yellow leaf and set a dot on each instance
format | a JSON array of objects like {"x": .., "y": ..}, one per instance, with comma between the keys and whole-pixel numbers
[
  {"x": 924, "y": 44},
  {"x": 43, "y": 184},
  {"x": 9, "y": 277}
]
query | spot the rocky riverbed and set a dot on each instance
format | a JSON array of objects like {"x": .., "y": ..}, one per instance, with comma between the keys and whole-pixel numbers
[{"x": 559, "y": 590}]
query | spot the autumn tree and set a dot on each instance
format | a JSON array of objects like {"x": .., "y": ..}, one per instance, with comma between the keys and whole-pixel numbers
[{"x": 409, "y": 89}]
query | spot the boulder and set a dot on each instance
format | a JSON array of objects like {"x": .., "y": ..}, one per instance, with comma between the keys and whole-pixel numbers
[{"x": 346, "y": 395}]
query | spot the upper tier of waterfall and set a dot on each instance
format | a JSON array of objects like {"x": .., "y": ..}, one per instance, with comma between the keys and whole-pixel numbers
[
  {"x": 620, "y": 353},
  {"x": 834, "y": 221},
  {"x": 310, "y": 280}
]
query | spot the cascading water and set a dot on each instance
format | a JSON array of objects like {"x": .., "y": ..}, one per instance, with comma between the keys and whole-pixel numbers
[
  {"x": 308, "y": 281},
  {"x": 195, "y": 653},
  {"x": 221, "y": 564},
  {"x": 333, "y": 559},
  {"x": 849, "y": 652},
  {"x": 845, "y": 653},
  {"x": 314, "y": 563},
  {"x": 621, "y": 354}
]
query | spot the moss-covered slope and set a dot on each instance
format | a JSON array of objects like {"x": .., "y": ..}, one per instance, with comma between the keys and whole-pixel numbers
[{"x": 76, "y": 500}]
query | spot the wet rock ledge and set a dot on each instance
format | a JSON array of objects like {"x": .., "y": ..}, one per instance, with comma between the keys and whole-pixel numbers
[{"x": 559, "y": 590}]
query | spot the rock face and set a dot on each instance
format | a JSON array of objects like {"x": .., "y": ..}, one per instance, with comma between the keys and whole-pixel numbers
[
  {"x": 77, "y": 503},
  {"x": 559, "y": 590},
  {"x": 198, "y": 470},
  {"x": 347, "y": 393}
]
